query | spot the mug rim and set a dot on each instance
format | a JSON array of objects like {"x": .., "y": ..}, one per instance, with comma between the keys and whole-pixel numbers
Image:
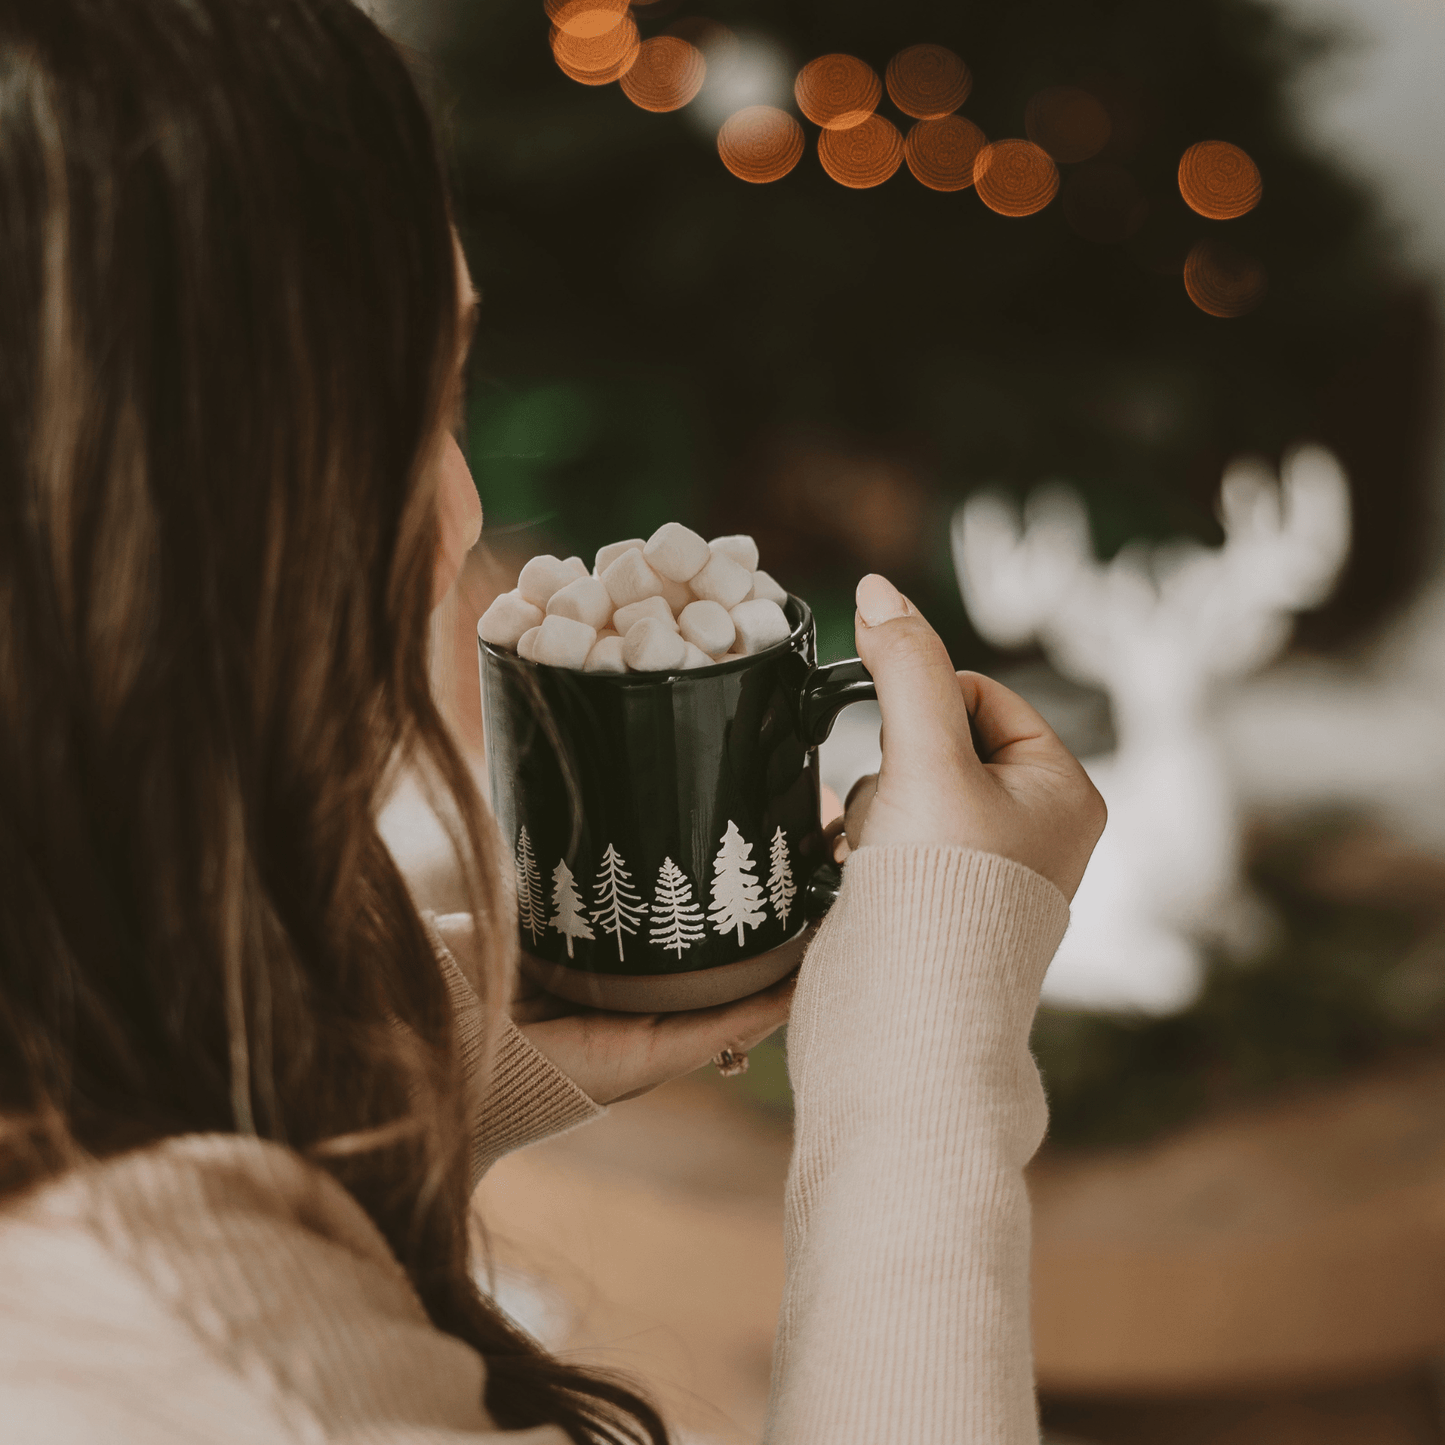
[{"x": 664, "y": 679}]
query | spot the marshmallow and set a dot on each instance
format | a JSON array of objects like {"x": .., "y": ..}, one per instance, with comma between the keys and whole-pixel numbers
[
  {"x": 676, "y": 552},
  {"x": 630, "y": 579},
  {"x": 764, "y": 586},
  {"x": 584, "y": 600},
  {"x": 741, "y": 548},
  {"x": 607, "y": 555},
  {"x": 723, "y": 581},
  {"x": 696, "y": 657},
  {"x": 676, "y": 594},
  {"x": 563, "y": 641},
  {"x": 504, "y": 622},
  {"x": 527, "y": 643},
  {"x": 544, "y": 575},
  {"x": 625, "y": 618},
  {"x": 651, "y": 647},
  {"x": 606, "y": 655},
  {"x": 760, "y": 624},
  {"x": 707, "y": 625}
]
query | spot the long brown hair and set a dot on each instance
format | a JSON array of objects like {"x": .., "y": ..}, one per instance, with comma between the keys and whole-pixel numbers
[{"x": 228, "y": 335}]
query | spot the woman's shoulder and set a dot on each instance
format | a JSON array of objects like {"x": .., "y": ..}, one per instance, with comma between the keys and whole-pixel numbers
[{"x": 219, "y": 1288}]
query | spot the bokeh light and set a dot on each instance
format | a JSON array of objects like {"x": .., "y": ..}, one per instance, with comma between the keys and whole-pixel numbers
[
  {"x": 1103, "y": 202},
  {"x": 837, "y": 92},
  {"x": 1015, "y": 177},
  {"x": 941, "y": 153},
  {"x": 1223, "y": 281},
  {"x": 760, "y": 144},
  {"x": 667, "y": 73},
  {"x": 1069, "y": 123},
  {"x": 597, "y": 59},
  {"x": 864, "y": 155},
  {"x": 1219, "y": 180},
  {"x": 928, "y": 82},
  {"x": 585, "y": 19}
]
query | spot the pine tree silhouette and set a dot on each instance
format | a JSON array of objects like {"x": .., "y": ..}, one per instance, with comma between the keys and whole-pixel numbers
[
  {"x": 737, "y": 900},
  {"x": 618, "y": 907},
  {"x": 569, "y": 919},
  {"x": 676, "y": 920},
  {"x": 531, "y": 905},
  {"x": 781, "y": 888}
]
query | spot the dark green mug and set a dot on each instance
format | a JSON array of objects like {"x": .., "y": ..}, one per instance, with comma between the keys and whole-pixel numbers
[{"x": 665, "y": 826}]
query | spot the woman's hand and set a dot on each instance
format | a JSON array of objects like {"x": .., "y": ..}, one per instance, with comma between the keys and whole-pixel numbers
[
  {"x": 1016, "y": 791},
  {"x": 615, "y": 1056}
]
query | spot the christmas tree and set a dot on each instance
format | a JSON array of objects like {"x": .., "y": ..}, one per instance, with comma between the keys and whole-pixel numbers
[
  {"x": 531, "y": 906},
  {"x": 781, "y": 888},
  {"x": 677, "y": 921},
  {"x": 737, "y": 898},
  {"x": 618, "y": 906},
  {"x": 569, "y": 919}
]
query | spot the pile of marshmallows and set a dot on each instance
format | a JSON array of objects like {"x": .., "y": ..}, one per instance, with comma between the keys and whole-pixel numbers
[{"x": 667, "y": 604}]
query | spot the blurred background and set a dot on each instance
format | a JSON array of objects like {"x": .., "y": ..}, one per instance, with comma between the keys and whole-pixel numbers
[{"x": 1110, "y": 331}]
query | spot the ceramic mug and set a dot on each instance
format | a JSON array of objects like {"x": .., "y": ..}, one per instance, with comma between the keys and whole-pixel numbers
[{"x": 665, "y": 826}]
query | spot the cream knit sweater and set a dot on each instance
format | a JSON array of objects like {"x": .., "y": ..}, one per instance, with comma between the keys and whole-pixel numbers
[{"x": 220, "y": 1289}]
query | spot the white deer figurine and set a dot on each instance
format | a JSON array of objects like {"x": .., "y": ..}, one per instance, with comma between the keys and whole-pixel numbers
[{"x": 1165, "y": 630}]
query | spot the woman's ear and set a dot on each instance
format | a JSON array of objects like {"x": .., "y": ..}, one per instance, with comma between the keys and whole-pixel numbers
[{"x": 459, "y": 517}]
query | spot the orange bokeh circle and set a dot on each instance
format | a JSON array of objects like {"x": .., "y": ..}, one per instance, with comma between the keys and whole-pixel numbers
[
  {"x": 585, "y": 19},
  {"x": 928, "y": 82},
  {"x": 1015, "y": 177},
  {"x": 1069, "y": 123},
  {"x": 760, "y": 143},
  {"x": 667, "y": 73},
  {"x": 1219, "y": 180},
  {"x": 1223, "y": 281},
  {"x": 941, "y": 153},
  {"x": 597, "y": 59},
  {"x": 864, "y": 155},
  {"x": 837, "y": 92}
]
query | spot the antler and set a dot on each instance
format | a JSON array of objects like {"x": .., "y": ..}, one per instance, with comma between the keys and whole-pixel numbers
[{"x": 1225, "y": 610}]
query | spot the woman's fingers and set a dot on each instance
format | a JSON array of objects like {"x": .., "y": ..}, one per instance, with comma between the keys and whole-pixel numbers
[
  {"x": 855, "y": 814},
  {"x": 923, "y": 713},
  {"x": 1007, "y": 729}
]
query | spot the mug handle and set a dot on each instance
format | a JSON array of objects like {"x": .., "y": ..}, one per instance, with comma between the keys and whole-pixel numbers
[{"x": 828, "y": 690}]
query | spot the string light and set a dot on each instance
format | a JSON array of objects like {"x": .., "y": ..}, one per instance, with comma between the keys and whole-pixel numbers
[
  {"x": 597, "y": 59},
  {"x": 837, "y": 92},
  {"x": 760, "y": 143},
  {"x": 941, "y": 153},
  {"x": 927, "y": 82},
  {"x": 666, "y": 75},
  {"x": 1223, "y": 281},
  {"x": 862, "y": 156},
  {"x": 1015, "y": 177},
  {"x": 1069, "y": 123},
  {"x": 1219, "y": 180}
]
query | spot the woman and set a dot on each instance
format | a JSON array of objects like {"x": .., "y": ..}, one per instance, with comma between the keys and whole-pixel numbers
[{"x": 245, "y": 1089}]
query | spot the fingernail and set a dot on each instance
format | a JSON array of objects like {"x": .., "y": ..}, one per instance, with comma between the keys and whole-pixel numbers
[{"x": 879, "y": 601}]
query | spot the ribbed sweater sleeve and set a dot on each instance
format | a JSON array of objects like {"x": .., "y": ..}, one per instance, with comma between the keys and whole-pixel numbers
[
  {"x": 515, "y": 1095},
  {"x": 905, "y": 1314}
]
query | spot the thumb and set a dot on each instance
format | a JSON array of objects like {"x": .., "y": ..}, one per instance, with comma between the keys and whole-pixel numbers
[{"x": 925, "y": 721}]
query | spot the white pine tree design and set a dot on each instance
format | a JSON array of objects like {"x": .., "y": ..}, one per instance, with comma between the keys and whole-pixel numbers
[
  {"x": 569, "y": 919},
  {"x": 676, "y": 920},
  {"x": 781, "y": 888},
  {"x": 618, "y": 907},
  {"x": 737, "y": 899},
  {"x": 531, "y": 905}
]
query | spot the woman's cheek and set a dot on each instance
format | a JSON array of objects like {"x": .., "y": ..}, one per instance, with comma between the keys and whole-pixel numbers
[{"x": 459, "y": 518}]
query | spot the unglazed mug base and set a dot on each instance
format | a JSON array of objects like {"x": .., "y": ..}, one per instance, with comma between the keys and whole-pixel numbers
[{"x": 668, "y": 992}]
